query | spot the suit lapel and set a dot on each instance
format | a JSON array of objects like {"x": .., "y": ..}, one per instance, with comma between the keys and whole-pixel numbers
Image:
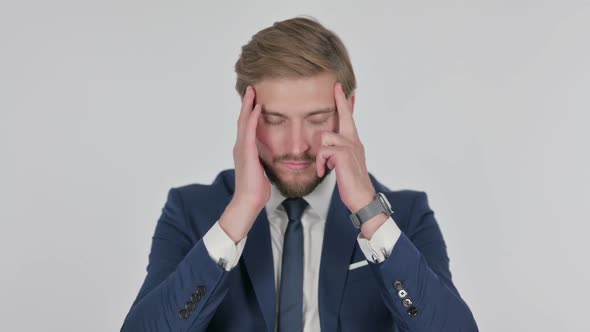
[
  {"x": 259, "y": 265},
  {"x": 339, "y": 242}
]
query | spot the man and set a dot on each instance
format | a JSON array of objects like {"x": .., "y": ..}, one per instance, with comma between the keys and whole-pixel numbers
[{"x": 274, "y": 245}]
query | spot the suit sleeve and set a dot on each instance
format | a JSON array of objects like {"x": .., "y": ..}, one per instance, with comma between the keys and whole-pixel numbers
[
  {"x": 416, "y": 281},
  {"x": 184, "y": 285}
]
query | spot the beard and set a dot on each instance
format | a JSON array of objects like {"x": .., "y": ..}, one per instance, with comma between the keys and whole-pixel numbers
[{"x": 297, "y": 189}]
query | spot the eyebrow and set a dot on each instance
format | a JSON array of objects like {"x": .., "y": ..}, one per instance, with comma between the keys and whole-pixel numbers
[{"x": 320, "y": 111}]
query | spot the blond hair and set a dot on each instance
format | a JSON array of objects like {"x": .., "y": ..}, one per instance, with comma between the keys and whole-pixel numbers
[{"x": 297, "y": 47}]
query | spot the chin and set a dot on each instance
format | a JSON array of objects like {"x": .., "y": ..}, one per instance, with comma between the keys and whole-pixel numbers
[{"x": 305, "y": 181}]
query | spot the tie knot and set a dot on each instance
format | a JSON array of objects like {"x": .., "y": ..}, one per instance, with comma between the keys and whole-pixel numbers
[{"x": 294, "y": 207}]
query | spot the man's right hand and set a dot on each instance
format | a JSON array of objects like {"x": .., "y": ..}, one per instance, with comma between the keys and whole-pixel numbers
[{"x": 252, "y": 187}]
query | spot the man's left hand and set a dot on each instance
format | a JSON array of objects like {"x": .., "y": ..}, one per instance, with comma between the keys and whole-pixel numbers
[{"x": 345, "y": 152}]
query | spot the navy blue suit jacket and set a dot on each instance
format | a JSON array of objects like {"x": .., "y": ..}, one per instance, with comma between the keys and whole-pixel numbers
[{"x": 181, "y": 272}]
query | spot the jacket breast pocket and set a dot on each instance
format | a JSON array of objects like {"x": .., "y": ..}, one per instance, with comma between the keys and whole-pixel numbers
[{"x": 359, "y": 273}]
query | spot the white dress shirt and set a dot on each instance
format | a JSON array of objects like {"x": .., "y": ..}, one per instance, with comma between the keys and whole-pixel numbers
[{"x": 222, "y": 249}]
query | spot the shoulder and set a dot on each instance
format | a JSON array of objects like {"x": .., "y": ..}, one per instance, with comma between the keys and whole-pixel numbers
[
  {"x": 222, "y": 185},
  {"x": 202, "y": 204},
  {"x": 198, "y": 198},
  {"x": 403, "y": 197}
]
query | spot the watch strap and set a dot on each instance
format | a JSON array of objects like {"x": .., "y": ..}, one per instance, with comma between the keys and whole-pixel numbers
[
  {"x": 375, "y": 207},
  {"x": 371, "y": 210}
]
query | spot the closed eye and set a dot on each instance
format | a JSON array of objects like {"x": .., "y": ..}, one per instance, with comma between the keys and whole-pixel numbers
[
  {"x": 319, "y": 119},
  {"x": 273, "y": 119},
  {"x": 316, "y": 119},
  {"x": 318, "y": 122}
]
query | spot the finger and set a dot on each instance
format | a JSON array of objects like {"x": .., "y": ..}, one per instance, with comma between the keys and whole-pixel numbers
[
  {"x": 245, "y": 111},
  {"x": 329, "y": 138},
  {"x": 345, "y": 121},
  {"x": 326, "y": 153},
  {"x": 330, "y": 164},
  {"x": 252, "y": 124}
]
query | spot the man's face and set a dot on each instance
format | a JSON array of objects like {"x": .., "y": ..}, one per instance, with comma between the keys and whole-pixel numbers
[{"x": 294, "y": 113}]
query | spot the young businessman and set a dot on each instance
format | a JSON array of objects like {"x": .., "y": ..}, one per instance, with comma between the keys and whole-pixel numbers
[{"x": 299, "y": 236}]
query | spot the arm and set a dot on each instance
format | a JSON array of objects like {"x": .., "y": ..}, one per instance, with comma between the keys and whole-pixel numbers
[
  {"x": 418, "y": 260},
  {"x": 180, "y": 276},
  {"x": 185, "y": 284}
]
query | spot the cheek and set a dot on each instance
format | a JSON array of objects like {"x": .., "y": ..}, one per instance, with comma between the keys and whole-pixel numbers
[
  {"x": 316, "y": 140},
  {"x": 334, "y": 124},
  {"x": 264, "y": 141}
]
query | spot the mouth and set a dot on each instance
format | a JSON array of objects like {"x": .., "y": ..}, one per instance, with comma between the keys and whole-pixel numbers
[{"x": 296, "y": 165}]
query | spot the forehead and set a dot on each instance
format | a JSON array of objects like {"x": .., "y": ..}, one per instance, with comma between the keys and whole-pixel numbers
[{"x": 296, "y": 95}]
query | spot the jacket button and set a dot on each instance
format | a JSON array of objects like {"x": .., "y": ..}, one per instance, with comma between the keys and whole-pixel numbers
[
  {"x": 184, "y": 314},
  {"x": 190, "y": 306},
  {"x": 398, "y": 285},
  {"x": 196, "y": 297},
  {"x": 200, "y": 290},
  {"x": 412, "y": 311},
  {"x": 402, "y": 293},
  {"x": 407, "y": 302}
]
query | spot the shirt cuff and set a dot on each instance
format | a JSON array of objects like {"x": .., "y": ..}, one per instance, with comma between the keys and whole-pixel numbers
[
  {"x": 222, "y": 248},
  {"x": 379, "y": 247}
]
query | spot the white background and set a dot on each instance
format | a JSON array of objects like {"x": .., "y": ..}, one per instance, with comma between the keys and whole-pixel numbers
[{"x": 105, "y": 105}]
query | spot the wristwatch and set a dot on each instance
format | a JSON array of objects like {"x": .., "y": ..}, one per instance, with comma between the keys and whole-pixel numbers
[{"x": 378, "y": 205}]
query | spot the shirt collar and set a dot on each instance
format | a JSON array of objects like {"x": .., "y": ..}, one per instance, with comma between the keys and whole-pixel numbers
[{"x": 318, "y": 200}]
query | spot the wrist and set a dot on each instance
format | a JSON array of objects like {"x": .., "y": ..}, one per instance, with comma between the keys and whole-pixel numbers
[
  {"x": 362, "y": 201},
  {"x": 373, "y": 214},
  {"x": 247, "y": 203},
  {"x": 372, "y": 225},
  {"x": 238, "y": 218}
]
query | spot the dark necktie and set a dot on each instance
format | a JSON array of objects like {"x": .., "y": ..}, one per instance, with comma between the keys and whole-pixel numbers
[{"x": 291, "y": 291}]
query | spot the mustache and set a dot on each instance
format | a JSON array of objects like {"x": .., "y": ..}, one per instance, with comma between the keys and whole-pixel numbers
[{"x": 304, "y": 158}]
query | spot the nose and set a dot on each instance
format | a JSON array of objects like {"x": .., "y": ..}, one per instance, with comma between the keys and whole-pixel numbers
[{"x": 298, "y": 144}]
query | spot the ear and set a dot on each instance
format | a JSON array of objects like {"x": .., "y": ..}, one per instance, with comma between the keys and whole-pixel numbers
[{"x": 351, "y": 101}]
